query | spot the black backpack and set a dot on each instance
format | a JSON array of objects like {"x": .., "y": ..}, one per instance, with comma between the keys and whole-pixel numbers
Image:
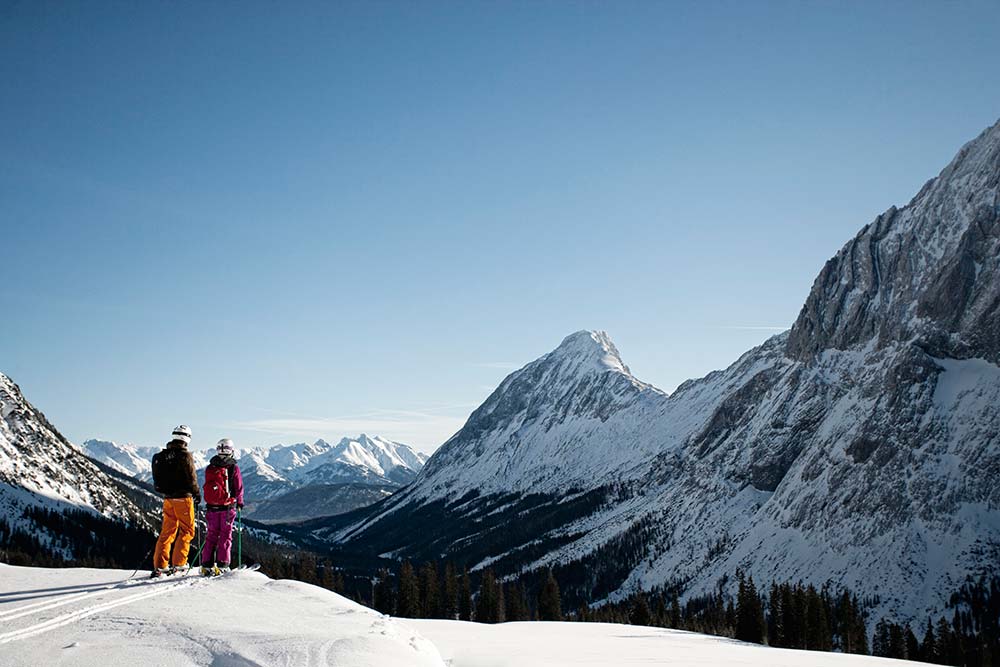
[{"x": 168, "y": 470}]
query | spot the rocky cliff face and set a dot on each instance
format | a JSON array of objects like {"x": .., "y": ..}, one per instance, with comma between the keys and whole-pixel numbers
[
  {"x": 929, "y": 271},
  {"x": 861, "y": 448}
]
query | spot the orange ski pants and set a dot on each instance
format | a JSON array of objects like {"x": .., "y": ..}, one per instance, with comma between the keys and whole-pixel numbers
[{"x": 178, "y": 522}]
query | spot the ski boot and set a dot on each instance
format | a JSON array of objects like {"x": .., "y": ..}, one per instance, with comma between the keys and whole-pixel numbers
[
  {"x": 160, "y": 572},
  {"x": 180, "y": 569},
  {"x": 206, "y": 571}
]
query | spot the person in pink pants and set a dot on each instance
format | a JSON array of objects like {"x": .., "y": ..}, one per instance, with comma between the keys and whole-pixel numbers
[{"x": 223, "y": 494}]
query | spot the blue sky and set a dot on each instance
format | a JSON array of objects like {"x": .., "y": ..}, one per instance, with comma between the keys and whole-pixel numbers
[{"x": 280, "y": 222}]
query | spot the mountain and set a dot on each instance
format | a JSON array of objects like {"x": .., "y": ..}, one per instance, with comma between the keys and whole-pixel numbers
[
  {"x": 319, "y": 500},
  {"x": 324, "y": 474},
  {"x": 860, "y": 448},
  {"x": 54, "y": 499}
]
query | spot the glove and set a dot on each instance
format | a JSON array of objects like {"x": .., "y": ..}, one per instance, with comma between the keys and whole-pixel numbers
[
  {"x": 239, "y": 505},
  {"x": 197, "y": 500}
]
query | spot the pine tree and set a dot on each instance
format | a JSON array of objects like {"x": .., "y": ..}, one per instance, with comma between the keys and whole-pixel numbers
[
  {"x": 750, "y": 624},
  {"x": 946, "y": 645},
  {"x": 859, "y": 631},
  {"x": 911, "y": 644},
  {"x": 449, "y": 593},
  {"x": 661, "y": 615},
  {"x": 928, "y": 647},
  {"x": 775, "y": 620},
  {"x": 339, "y": 584},
  {"x": 793, "y": 616},
  {"x": 639, "y": 614},
  {"x": 465, "y": 598},
  {"x": 488, "y": 602},
  {"x": 818, "y": 637},
  {"x": 880, "y": 642},
  {"x": 897, "y": 642},
  {"x": 500, "y": 606},
  {"x": 384, "y": 601},
  {"x": 430, "y": 605},
  {"x": 675, "y": 613},
  {"x": 517, "y": 603},
  {"x": 408, "y": 604},
  {"x": 549, "y": 602},
  {"x": 326, "y": 576}
]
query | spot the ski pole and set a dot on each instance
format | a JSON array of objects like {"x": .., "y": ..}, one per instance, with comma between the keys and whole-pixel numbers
[
  {"x": 239, "y": 537},
  {"x": 200, "y": 546},
  {"x": 148, "y": 553}
]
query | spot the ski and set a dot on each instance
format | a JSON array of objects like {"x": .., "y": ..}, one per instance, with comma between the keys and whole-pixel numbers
[{"x": 222, "y": 573}]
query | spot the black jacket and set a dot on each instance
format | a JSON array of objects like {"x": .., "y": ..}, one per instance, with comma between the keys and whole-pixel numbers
[{"x": 173, "y": 473}]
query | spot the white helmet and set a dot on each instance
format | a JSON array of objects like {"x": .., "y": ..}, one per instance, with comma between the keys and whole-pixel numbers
[
  {"x": 182, "y": 433},
  {"x": 224, "y": 446}
]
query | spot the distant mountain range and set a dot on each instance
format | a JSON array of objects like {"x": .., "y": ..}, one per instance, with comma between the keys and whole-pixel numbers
[
  {"x": 860, "y": 448},
  {"x": 309, "y": 480}
]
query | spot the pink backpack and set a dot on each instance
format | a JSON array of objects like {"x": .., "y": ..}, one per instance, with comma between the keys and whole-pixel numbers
[{"x": 216, "y": 489}]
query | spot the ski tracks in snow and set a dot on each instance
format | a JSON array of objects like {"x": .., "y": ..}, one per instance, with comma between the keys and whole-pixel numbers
[{"x": 156, "y": 588}]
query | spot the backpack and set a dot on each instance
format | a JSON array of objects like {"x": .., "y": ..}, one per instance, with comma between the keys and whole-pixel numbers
[
  {"x": 216, "y": 489},
  {"x": 168, "y": 470}
]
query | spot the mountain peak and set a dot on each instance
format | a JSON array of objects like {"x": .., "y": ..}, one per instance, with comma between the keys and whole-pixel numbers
[{"x": 591, "y": 348}]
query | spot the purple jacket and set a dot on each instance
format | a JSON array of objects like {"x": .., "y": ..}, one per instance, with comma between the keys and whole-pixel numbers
[{"x": 235, "y": 479}]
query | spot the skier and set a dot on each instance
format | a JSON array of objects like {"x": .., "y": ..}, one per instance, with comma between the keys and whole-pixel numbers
[
  {"x": 223, "y": 496},
  {"x": 175, "y": 478}
]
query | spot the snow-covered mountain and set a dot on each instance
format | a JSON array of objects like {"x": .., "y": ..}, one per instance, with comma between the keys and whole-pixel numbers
[
  {"x": 320, "y": 500},
  {"x": 41, "y": 470},
  {"x": 309, "y": 469},
  {"x": 862, "y": 447}
]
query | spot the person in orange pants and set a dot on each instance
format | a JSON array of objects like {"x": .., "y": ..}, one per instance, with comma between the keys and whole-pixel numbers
[
  {"x": 174, "y": 477},
  {"x": 178, "y": 524}
]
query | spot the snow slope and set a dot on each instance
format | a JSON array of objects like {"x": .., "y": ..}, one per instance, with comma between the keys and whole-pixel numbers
[
  {"x": 92, "y": 617},
  {"x": 96, "y": 618},
  {"x": 544, "y": 644}
]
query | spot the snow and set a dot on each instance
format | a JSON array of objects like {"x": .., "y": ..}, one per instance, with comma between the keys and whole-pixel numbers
[
  {"x": 543, "y": 644},
  {"x": 98, "y": 618},
  {"x": 973, "y": 380}
]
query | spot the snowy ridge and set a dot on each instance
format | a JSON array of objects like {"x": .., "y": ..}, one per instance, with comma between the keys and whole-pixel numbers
[
  {"x": 860, "y": 448},
  {"x": 273, "y": 471},
  {"x": 41, "y": 469}
]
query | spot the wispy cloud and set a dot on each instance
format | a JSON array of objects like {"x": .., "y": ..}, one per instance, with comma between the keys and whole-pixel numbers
[
  {"x": 751, "y": 327},
  {"x": 501, "y": 365}
]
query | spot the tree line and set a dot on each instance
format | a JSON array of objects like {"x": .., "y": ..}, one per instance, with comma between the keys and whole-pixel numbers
[
  {"x": 440, "y": 590},
  {"x": 785, "y": 615},
  {"x": 971, "y": 637}
]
